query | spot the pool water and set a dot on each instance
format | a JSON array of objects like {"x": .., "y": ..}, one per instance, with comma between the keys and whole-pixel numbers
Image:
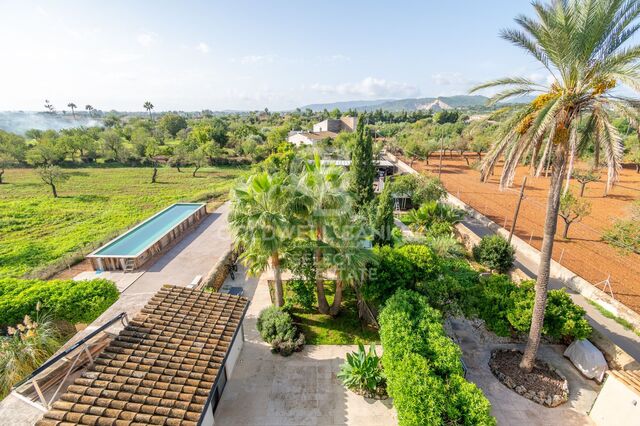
[{"x": 147, "y": 233}]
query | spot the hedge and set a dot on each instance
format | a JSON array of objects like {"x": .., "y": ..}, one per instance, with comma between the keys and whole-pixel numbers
[
  {"x": 65, "y": 300},
  {"x": 402, "y": 267},
  {"x": 423, "y": 368}
]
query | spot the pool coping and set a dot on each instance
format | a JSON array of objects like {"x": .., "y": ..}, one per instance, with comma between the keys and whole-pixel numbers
[{"x": 94, "y": 254}]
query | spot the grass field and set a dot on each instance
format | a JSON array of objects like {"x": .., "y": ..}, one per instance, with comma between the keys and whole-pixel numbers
[{"x": 95, "y": 204}]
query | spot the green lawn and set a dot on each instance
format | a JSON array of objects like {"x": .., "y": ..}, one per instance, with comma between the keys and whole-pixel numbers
[
  {"x": 345, "y": 329},
  {"x": 95, "y": 204}
]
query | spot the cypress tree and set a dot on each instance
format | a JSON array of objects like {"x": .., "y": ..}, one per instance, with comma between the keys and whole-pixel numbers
[
  {"x": 362, "y": 171},
  {"x": 384, "y": 216}
]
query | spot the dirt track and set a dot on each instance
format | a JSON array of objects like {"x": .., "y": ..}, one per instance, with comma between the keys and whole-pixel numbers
[{"x": 584, "y": 253}]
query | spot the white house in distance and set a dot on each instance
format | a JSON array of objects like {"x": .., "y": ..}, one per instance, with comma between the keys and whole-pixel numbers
[{"x": 328, "y": 128}]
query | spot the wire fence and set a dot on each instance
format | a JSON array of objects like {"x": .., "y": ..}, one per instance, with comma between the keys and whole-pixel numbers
[{"x": 583, "y": 252}]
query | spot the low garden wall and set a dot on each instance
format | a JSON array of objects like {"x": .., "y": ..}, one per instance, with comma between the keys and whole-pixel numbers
[{"x": 218, "y": 273}]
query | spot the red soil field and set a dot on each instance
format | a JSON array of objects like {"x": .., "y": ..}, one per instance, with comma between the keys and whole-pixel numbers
[{"x": 584, "y": 252}]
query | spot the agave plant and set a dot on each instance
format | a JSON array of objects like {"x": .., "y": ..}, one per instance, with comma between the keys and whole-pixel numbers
[{"x": 362, "y": 371}]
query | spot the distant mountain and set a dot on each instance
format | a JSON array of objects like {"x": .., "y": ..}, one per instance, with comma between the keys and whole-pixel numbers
[{"x": 411, "y": 104}]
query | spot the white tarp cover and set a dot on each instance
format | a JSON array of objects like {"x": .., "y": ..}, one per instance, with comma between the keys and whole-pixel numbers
[{"x": 587, "y": 358}]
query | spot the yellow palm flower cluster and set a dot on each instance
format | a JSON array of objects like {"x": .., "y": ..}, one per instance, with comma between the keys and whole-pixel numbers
[{"x": 602, "y": 86}]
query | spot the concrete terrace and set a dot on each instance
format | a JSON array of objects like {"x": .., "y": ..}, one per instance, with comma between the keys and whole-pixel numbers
[{"x": 268, "y": 389}]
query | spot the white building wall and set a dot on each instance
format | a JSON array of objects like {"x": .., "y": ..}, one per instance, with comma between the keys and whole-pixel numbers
[
  {"x": 234, "y": 352},
  {"x": 299, "y": 139}
]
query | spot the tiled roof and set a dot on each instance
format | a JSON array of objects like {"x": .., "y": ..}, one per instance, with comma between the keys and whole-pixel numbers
[{"x": 161, "y": 367}]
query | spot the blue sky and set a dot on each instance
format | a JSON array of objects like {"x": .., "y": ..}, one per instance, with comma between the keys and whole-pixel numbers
[{"x": 192, "y": 55}]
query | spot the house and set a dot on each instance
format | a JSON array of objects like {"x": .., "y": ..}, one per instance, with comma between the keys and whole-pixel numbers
[
  {"x": 344, "y": 124},
  {"x": 309, "y": 138},
  {"x": 326, "y": 129},
  {"x": 169, "y": 365}
]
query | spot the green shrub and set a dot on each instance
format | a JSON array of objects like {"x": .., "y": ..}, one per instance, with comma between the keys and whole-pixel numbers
[
  {"x": 362, "y": 371},
  {"x": 495, "y": 253},
  {"x": 563, "y": 319},
  {"x": 399, "y": 268},
  {"x": 276, "y": 328},
  {"x": 66, "y": 300},
  {"x": 423, "y": 368},
  {"x": 497, "y": 295}
]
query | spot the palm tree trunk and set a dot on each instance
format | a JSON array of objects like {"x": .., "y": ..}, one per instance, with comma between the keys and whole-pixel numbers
[
  {"x": 337, "y": 299},
  {"x": 550, "y": 225},
  {"x": 323, "y": 305},
  {"x": 364, "y": 311},
  {"x": 596, "y": 156},
  {"x": 275, "y": 264}
]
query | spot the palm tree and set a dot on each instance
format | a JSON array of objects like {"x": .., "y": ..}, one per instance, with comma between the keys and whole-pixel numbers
[
  {"x": 326, "y": 199},
  {"x": 89, "y": 109},
  {"x": 581, "y": 43},
  {"x": 260, "y": 225},
  {"x": 348, "y": 256},
  {"x": 73, "y": 109},
  {"x": 431, "y": 212},
  {"x": 148, "y": 106}
]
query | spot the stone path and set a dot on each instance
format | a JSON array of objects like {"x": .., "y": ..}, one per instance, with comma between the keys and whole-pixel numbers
[
  {"x": 508, "y": 407},
  {"x": 268, "y": 389}
]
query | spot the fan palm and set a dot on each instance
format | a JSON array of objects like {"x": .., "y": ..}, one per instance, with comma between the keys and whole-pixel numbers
[
  {"x": 582, "y": 44},
  {"x": 431, "y": 212},
  {"x": 326, "y": 199},
  {"x": 260, "y": 225}
]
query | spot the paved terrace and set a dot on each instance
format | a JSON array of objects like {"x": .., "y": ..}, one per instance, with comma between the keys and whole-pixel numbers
[{"x": 194, "y": 255}]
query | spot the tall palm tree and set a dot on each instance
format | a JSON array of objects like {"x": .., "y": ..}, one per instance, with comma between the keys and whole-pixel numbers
[
  {"x": 260, "y": 225},
  {"x": 73, "y": 109},
  {"x": 582, "y": 44},
  {"x": 148, "y": 106},
  {"x": 89, "y": 109},
  {"x": 348, "y": 256},
  {"x": 327, "y": 198}
]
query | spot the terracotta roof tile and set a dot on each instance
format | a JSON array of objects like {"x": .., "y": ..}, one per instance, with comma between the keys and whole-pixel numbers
[{"x": 160, "y": 368}]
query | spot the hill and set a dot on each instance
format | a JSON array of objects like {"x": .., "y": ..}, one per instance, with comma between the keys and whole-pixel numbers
[{"x": 410, "y": 104}]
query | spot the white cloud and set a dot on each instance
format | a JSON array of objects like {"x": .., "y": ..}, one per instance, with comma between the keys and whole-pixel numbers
[
  {"x": 203, "y": 47},
  {"x": 450, "y": 79},
  {"x": 255, "y": 59},
  {"x": 147, "y": 39},
  {"x": 335, "y": 58},
  {"x": 370, "y": 87},
  {"x": 541, "y": 78}
]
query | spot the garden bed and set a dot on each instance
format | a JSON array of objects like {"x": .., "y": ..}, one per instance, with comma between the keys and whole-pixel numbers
[
  {"x": 343, "y": 329},
  {"x": 544, "y": 385}
]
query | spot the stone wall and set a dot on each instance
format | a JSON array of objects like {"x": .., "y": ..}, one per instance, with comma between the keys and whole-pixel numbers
[{"x": 218, "y": 273}]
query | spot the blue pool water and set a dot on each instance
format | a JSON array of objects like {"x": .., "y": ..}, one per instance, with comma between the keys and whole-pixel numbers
[{"x": 139, "y": 238}]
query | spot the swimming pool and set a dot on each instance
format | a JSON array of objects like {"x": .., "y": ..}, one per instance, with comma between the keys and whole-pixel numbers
[{"x": 131, "y": 249}]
